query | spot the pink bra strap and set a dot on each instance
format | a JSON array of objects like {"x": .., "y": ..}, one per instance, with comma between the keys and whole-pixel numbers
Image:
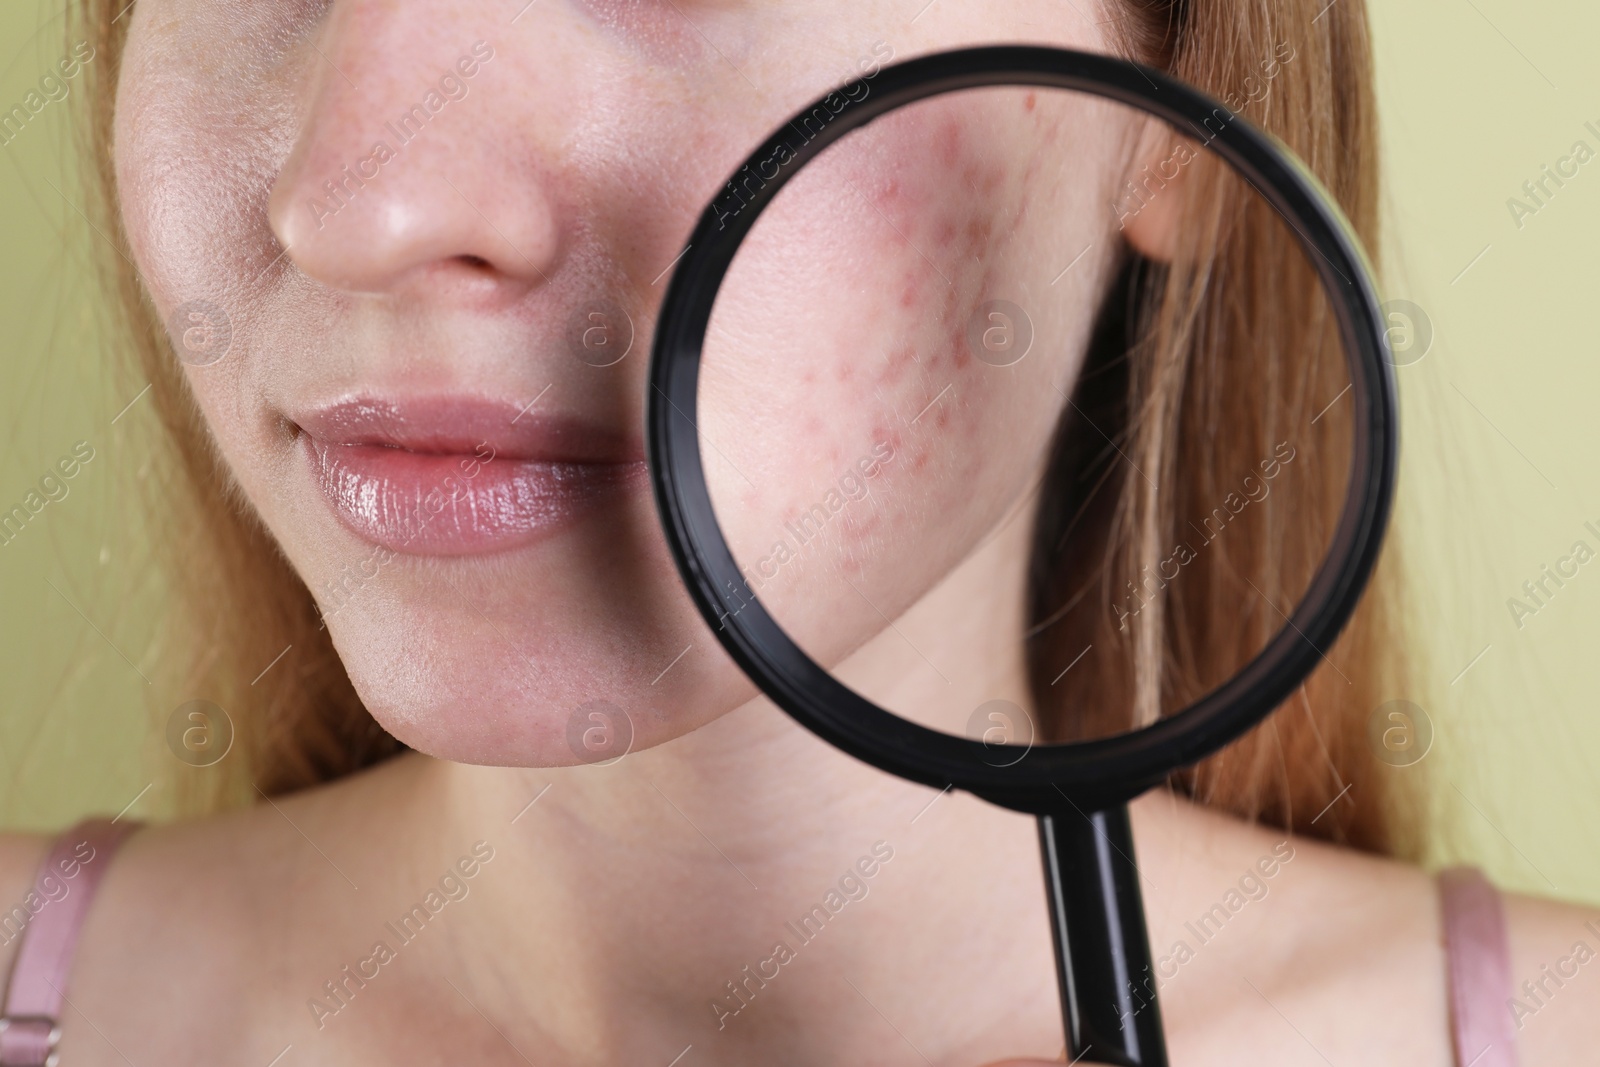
[
  {"x": 1479, "y": 959},
  {"x": 52, "y": 916}
]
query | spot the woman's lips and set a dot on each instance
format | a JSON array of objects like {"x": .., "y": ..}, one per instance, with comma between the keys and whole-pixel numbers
[{"x": 455, "y": 477}]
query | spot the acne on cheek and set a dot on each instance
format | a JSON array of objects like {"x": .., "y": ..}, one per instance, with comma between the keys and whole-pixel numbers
[
  {"x": 906, "y": 227},
  {"x": 956, "y": 212},
  {"x": 915, "y": 226},
  {"x": 911, "y": 254},
  {"x": 905, "y": 232}
]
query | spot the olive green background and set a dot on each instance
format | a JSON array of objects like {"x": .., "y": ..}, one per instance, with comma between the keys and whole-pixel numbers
[{"x": 1500, "y": 470}]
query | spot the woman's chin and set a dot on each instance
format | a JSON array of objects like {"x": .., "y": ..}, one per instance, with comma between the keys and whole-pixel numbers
[{"x": 511, "y": 714}]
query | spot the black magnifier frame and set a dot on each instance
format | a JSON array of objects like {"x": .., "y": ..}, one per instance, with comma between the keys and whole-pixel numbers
[{"x": 1078, "y": 790}]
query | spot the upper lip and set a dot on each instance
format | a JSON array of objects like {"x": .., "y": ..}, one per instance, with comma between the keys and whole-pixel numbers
[{"x": 465, "y": 425}]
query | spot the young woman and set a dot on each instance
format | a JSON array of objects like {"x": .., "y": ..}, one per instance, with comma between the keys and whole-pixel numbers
[{"x": 404, "y": 861}]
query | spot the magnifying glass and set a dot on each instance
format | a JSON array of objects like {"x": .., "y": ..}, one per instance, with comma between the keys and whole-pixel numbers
[{"x": 1021, "y": 421}]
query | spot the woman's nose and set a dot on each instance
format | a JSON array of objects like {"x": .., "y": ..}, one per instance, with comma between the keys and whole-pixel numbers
[{"x": 396, "y": 183}]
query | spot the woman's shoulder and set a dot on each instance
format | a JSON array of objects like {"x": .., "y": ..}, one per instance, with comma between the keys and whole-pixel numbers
[
  {"x": 155, "y": 877},
  {"x": 266, "y": 863},
  {"x": 1341, "y": 934},
  {"x": 1554, "y": 999},
  {"x": 221, "y": 913},
  {"x": 21, "y": 855},
  {"x": 251, "y": 857}
]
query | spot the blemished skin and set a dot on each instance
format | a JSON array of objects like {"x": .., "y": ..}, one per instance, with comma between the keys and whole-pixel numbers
[{"x": 416, "y": 328}]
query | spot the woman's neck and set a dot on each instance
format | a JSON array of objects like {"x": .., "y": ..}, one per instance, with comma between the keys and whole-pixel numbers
[{"x": 673, "y": 893}]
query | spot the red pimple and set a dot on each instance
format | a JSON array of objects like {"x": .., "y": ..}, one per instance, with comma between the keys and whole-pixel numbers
[
  {"x": 1030, "y": 102},
  {"x": 887, "y": 194},
  {"x": 955, "y": 328},
  {"x": 959, "y": 354},
  {"x": 890, "y": 436}
]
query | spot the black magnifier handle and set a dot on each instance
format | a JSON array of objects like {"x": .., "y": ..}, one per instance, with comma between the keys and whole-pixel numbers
[{"x": 1108, "y": 987}]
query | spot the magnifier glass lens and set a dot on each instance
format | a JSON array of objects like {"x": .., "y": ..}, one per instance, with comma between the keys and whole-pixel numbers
[{"x": 1023, "y": 414}]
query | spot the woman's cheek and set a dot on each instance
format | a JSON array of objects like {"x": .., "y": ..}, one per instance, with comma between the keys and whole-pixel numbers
[
  {"x": 845, "y": 332},
  {"x": 204, "y": 118}
]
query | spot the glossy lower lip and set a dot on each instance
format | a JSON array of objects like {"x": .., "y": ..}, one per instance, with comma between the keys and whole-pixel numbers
[{"x": 458, "y": 478}]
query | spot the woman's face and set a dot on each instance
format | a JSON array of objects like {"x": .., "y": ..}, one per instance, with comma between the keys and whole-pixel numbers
[{"x": 399, "y": 245}]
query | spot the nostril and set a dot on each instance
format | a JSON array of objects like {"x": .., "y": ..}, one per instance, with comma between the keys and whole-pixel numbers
[{"x": 475, "y": 262}]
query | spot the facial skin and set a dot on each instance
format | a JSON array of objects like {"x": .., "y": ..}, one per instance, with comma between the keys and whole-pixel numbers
[{"x": 563, "y": 173}]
